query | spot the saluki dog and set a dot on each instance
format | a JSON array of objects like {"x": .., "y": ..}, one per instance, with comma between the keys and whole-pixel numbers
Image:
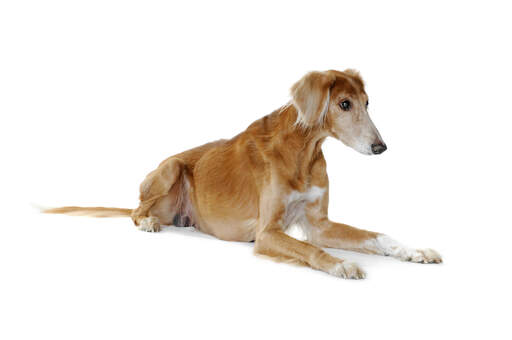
[{"x": 271, "y": 177}]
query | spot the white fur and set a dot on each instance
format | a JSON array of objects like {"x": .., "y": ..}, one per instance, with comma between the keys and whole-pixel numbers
[
  {"x": 311, "y": 195},
  {"x": 294, "y": 222},
  {"x": 298, "y": 232},
  {"x": 358, "y": 134},
  {"x": 385, "y": 245},
  {"x": 149, "y": 224},
  {"x": 347, "y": 270}
]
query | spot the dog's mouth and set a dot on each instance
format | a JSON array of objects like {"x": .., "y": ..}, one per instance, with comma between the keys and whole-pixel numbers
[{"x": 368, "y": 149}]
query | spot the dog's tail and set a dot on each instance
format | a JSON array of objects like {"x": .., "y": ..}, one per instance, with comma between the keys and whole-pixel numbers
[{"x": 89, "y": 211}]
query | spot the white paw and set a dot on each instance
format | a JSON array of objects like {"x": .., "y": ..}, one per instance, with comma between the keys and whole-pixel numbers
[
  {"x": 424, "y": 256},
  {"x": 149, "y": 224},
  {"x": 387, "y": 246},
  {"x": 347, "y": 270}
]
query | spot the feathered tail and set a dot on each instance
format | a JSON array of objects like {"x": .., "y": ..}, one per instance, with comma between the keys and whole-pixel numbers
[{"x": 90, "y": 211}]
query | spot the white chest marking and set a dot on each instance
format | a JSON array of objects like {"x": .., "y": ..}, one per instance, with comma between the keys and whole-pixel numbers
[
  {"x": 311, "y": 195},
  {"x": 294, "y": 222}
]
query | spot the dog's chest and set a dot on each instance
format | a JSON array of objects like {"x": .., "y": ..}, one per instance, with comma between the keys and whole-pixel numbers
[
  {"x": 310, "y": 195},
  {"x": 296, "y": 201}
]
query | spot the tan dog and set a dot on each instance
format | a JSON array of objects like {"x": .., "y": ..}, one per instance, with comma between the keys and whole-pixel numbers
[{"x": 272, "y": 176}]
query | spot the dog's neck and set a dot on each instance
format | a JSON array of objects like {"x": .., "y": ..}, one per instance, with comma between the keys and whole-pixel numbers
[
  {"x": 310, "y": 138},
  {"x": 299, "y": 148}
]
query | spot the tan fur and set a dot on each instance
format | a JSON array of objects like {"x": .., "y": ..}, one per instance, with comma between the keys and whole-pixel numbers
[
  {"x": 90, "y": 211},
  {"x": 245, "y": 188}
]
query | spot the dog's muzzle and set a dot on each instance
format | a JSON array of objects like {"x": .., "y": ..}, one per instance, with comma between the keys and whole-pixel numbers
[{"x": 378, "y": 148}]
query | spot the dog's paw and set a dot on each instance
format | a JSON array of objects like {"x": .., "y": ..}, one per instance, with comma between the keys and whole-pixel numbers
[
  {"x": 347, "y": 270},
  {"x": 423, "y": 256},
  {"x": 150, "y": 224},
  {"x": 385, "y": 245}
]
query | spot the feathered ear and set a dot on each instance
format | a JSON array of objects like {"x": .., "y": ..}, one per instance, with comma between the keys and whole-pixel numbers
[
  {"x": 353, "y": 73},
  {"x": 310, "y": 96}
]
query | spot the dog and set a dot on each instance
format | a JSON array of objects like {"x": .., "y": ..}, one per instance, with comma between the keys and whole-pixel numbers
[{"x": 270, "y": 179}]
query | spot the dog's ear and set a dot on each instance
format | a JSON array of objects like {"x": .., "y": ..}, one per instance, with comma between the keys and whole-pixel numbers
[
  {"x": 355, "y": 75},
  {"x": 310, "y": 96}
]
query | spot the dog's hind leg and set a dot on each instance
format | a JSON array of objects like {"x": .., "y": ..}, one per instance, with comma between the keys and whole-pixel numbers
[{"x": 156, "y": 187}]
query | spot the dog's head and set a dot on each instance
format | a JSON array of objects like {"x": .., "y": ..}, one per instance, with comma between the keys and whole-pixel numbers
[{"x": 337, "y": 103}]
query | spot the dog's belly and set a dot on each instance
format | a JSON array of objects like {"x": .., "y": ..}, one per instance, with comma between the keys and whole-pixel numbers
[
  {"x": 227, "y": 219},
  {"x": 226, "y": 193},
  {"x": 231, "y": 230},
  {"x": 295, "y": 223}
]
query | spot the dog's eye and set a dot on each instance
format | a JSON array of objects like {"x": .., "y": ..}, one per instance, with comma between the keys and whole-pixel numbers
[{"x": 345, "y": 105}]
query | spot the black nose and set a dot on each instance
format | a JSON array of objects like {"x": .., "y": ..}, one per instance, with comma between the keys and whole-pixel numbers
[{"x": 378, "y": 148}]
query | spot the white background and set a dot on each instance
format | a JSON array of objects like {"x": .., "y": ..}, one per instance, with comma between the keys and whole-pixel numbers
[{"x": 94, "y": 94}]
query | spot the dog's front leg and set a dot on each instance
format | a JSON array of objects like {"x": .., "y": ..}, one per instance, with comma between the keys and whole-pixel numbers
[
  {"x": 337, "y": 235},
  {"x": 272, "y": 242},
  {"x": 275, "y": 244}
]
